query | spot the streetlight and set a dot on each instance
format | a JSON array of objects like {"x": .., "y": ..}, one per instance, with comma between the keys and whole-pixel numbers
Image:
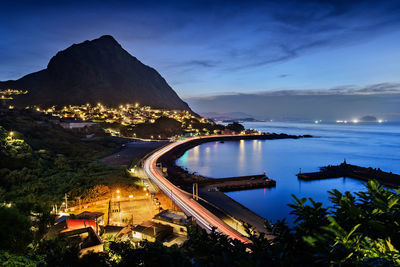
[{"x": 11, "y": 134}]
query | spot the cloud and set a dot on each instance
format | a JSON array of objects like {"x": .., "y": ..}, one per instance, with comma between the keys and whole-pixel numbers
[
  {"x": 195, "y": 37},
  {"x": 373, "y": 89},
  {"x": 344, "y": 103},
  {"x": 196, "y": 63}
]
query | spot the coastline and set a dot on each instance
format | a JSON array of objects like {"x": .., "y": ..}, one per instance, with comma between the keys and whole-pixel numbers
[
  {"x": 177, "y": 152},
  {"x": 234, "y": 213}
]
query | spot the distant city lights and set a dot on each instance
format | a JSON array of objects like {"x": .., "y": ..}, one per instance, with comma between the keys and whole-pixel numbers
[{"x": 355, "y": 121}]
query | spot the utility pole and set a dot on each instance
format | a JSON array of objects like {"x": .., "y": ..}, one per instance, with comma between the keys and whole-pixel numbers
[
  {"x": 196, "y": 191},
  {"x": 172, "y": 202},
  {"x": 66, "y": 202}
]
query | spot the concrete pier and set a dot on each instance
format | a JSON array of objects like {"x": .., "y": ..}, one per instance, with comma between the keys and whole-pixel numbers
[
  {"x": 352, "y": 171},
  {"x": 239, "y": 183}
]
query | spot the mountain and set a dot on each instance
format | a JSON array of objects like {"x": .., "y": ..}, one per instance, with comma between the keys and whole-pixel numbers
[
  {"x": 96, "y": 71},
  {"x": 228, "y": 116}
]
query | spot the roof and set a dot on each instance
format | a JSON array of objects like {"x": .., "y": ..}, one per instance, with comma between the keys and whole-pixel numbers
[
  {"x": 93, "y": 239},
  {"x": 172, "y": 216},
  {"x": 151, "y": 229},
  {"x": 61, "y": 219},
  {"x": 89, "y": 215},
  {"x": 73, "y": 224},
  {"x": 113, "y": 229},
  {"x": 55, "y": 230}
]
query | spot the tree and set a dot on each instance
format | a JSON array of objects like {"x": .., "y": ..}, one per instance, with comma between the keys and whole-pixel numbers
[
  {"x": 236, "y": 127},
  {"x": 360, "y": 229},
  {"x": 15, "y": 232},
  {"x": 163, "y": 127}
]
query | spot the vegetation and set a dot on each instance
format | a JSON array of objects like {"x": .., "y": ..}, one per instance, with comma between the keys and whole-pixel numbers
[
  {"x": 161, "y": 128},
  {"x": 360, "y": 229},
  {"x": 235, "y": 126},
  {"x": 164, "y": 127},
  {"x": 40, "y": 161}
]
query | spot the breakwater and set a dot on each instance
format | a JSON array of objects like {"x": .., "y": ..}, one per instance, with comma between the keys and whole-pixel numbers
[
  {"x": 183, "y": 178},
  {"x": 352, "y": 171},
  {"x": 239, "y": 183}
]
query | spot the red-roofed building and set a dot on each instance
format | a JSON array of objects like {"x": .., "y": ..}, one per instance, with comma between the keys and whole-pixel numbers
[
  {"x": 74, "y": 224},
  {"x": 96, "y": 216}
]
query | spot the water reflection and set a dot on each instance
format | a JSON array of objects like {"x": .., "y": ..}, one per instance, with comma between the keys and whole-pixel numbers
[
  {"x": 282, "y": 160},
  {"x": 196, "y": 152},
  {"x": 241, "y": 156}
]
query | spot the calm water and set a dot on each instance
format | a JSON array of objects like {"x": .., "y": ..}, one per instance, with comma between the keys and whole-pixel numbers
[{"x": 375, "y": 145}]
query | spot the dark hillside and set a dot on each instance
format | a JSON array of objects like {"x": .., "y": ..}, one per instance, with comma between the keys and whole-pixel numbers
[{"x": 96, "y": 71}]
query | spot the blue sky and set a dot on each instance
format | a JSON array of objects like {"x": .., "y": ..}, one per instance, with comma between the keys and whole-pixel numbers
[{"x": 217, "y": 47}]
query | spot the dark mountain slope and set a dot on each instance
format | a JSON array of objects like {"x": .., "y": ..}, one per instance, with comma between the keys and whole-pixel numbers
[{"x": 96, "y": 71}]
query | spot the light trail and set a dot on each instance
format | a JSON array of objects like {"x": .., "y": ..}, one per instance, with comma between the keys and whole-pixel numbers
[{"x": 203, "y": 217}]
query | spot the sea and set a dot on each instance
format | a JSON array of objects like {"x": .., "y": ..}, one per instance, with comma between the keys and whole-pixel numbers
[{"x": 375, "y": 145}]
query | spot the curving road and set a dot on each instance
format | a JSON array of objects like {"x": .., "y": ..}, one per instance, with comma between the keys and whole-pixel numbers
[{"x": 204, "y": 218}]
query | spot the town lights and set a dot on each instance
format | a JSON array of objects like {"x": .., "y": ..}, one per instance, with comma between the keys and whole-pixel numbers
[{"x": 118, "y": 191}]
